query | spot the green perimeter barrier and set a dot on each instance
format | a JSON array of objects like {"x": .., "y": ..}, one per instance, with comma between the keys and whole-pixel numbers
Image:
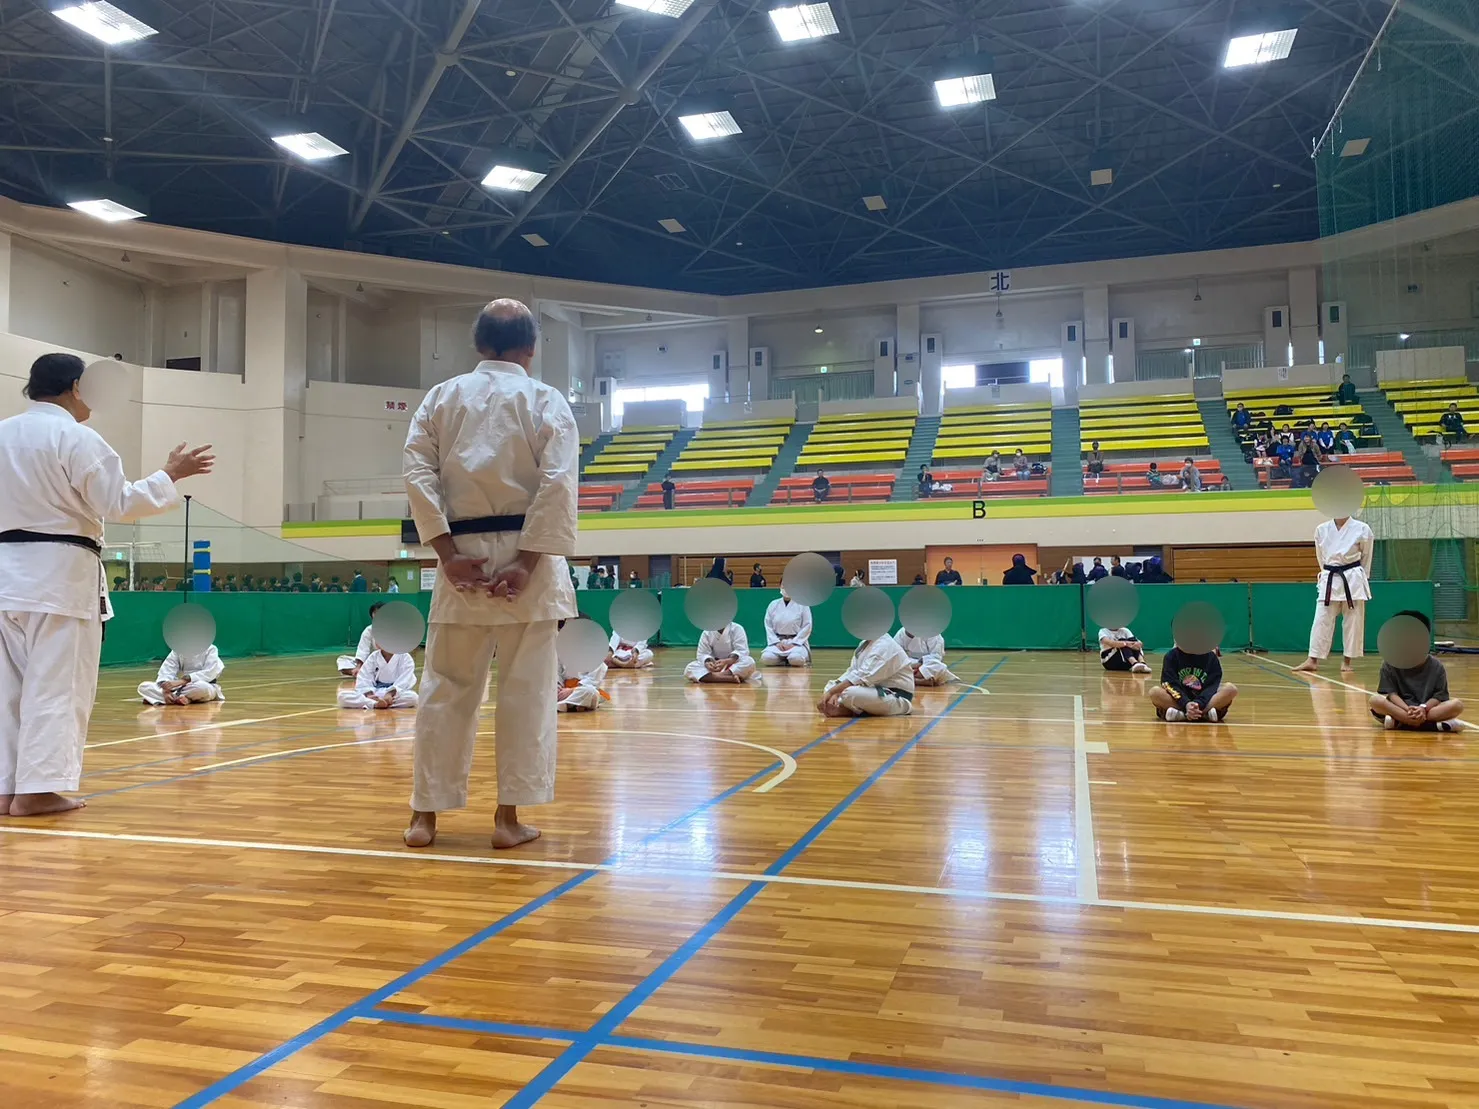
[{"x": 1039, "y": 618}]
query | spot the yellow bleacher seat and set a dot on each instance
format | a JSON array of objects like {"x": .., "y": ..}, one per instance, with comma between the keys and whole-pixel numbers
[
  {"x": 972, "y": 431},
  {"x": 848, "y": 458},
  {"x": 1135, "y": 401},
  {"x": 879, "y": 426}
]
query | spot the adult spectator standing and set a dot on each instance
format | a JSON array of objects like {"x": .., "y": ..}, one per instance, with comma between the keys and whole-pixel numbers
[
  {"x": 757, "y": 578},
  {"x": 59, "y": 481},
  {"x": 1098, "y": 571},
  {"x": 1116, "y": 568},
  {"x": 1020, "y": 573},
  {"x": 821, "y": 488},
  {"x": 949, "y": 575},
  {"x": 669, "y": 492},
  {"x": 720, "y": 571}
]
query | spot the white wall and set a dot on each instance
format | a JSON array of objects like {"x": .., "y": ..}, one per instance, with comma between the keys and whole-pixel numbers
[
  {"x": 67, "y": 302},
  {"x": 689, "y": 354},
  {"x": 384, "y": 346},
  {"x": 847, "y": 337},
  {"x": 349, "y": 433},
  {"x": 1378, "y": 298},
  {"x": 323, "y": 335},
  {"x": 1006, "y": 394},
  {"x": 1167, "y": 314},
  {"x": 1030, "y": 327},
  {"x": 783, "y": 409},
  {"x": 178, "y": 323}
]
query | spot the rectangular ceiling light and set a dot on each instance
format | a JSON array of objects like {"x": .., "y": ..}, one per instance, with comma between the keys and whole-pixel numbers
[
  {"x": 672, "y": 226},
  {"x": 1101, "y": 177},
  {"x": 109, "y": 211},
  {"x": 1271, "y": 46},
  {"x": 310, "y": 146},
  {"x": 704, "y": 126},
  {"x": 956, "y": 92},
  {"x": 1354, "y": 148},
  {"x": 804, "y": 21},
  {"x": 874, "y": 203},
  {"x": 104, "y": 22},
  {"x": 513, "y": 179},
  {"x": 536, "y": 239},
  {"x": 674, "y": 8}
]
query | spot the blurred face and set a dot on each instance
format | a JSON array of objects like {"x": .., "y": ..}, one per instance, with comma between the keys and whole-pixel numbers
[{"x": 950, "y": 564}]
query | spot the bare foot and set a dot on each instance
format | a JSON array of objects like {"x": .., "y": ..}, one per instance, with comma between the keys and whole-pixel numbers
[
  {"x": 508, "y": 832},
  {"x": 5, "y": 799},
  {"x": 834, "y": 712},
  {"x": 422, "y": 831},
  {"x": 1308, "y": 666},
  {"x": 42, "y": 804},
  {"x": 1347, "y": 667}
]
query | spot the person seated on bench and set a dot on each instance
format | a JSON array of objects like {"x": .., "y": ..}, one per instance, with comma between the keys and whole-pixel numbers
[
  {"x": 349, "y": 664},
  {"x": 1094, "y": 468},
  {"x": 385, "y": 681},
  {"x": 1325, "y": 438},
  {"x": 1120, "y": 650},
  {"x": 1241, "y": 418},
  {"x": 880, "y": 682},
  {"x": 1191, "y": 477},
  {"x": 1346, "y": 394},
  {"x": 1416, "y": 699},
  {"x": 1192, "y": 689},
  {"x": 992, "y": 470},
  {"x": 582, "y": 694},
  {"x": 186, "y": 680},
  {"x": 820, "y": 487},
  {"x": 627, "y": 655},
  {"x": 1020, "y": 465},
  {"x": 723, "y": 658},
  {"x": 787, "y": 633},
  {"x": 928, "y": 656},
  {"x": 1345, "y": 440},
  {"x": 1159, "y": 480},
  {"x": 1452, "y": 423}
]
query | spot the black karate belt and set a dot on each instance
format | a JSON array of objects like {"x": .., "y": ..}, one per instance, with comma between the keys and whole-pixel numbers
[
  {"x": 1340, "y": 572},
  {"x": 486, "y": 525},
  {"x": 20, "y": 535},
  {"x": 904, "y": 693}
]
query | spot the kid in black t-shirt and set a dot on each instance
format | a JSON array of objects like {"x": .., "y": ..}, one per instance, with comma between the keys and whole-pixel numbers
[{"x": 1192, "y": 688}]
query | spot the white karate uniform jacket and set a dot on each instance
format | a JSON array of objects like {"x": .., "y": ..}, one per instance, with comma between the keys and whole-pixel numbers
[
  {"x": 881, "y": 664},
  {"x": 721, "y": 644},
  {"x": 378, "y": 676},
  {"x": 626, "y": 653},
  {"x": 585, "y": 695},
  {"x": 928, "y": 653},
  {"x": 1340, "y": 547},
  {"x": 787, "y": 620},
  {"x": 201, "y": 674},
  {"x": 362, "y": 652}
]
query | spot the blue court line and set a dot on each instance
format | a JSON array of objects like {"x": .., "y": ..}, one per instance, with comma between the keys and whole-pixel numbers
[
  {"x": 616, "y": 1016},
  {"x": 366, "y": 1004},
  {"x": 952, "y": 1079}
]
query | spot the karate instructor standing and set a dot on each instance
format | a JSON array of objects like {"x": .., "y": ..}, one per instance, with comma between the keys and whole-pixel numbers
[
  {"x": 58, "y": 482},
  {"x": 491, "y": 469}
]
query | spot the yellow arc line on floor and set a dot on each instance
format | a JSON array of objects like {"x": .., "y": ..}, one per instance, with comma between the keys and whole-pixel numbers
[
  {"x": 207, "y": 727},
  {"x": 788, "y": 764},
  {"x": 963, "y": 893}
]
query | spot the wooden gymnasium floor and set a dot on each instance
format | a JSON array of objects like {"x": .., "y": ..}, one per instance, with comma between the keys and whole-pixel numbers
[{"x": 1036, "y": 897}]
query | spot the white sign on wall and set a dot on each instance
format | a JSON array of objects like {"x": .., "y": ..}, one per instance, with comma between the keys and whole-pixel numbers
[
  {"x": 883, "y": 571},
  {"x": 428, "y": 578},
  {"x": 1001, "y": 281}
]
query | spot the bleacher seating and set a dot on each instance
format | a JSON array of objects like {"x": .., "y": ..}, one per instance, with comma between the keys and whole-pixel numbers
[
  {"x": 718, "y": 493},
  {"x": 1306, "y": 402},
  {"x": 599, "y": 498},
  {"x": 734, "y": 445},
  {"x": 1161, "y": 422},
  {"x": 858, "y": 439},
  {"x": 631, "y": 453},
  {"x": 1132, "y": 477},
  {"x": 969, "y": 485},
  {"x": 846, "y": 488},
  {"x": 973, "y": 433},
  {"x": 1422, "y": 403},
  {"x": 1464, "y": 462},
  {"x": 1375, "y": 468}
]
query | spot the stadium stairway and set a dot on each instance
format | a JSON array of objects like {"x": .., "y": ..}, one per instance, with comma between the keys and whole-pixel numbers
[
  {"x": 1396, "y": 437},
  {"x": 588, "y": 455},
  {"x": 659, "y": 468},
  {"x": 1225, "y": 446},
  {"x": 782, "y": 467},
  {"x": 1068, "y": 464},
  {"x": 921, "y": 453}
]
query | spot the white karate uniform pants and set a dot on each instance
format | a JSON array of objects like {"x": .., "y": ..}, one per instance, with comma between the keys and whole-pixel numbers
[
  {"x": 354, "y": 699},
  {"x": 863, "y": 701},
  {"x": 933, "y": 671},
  {"x": 744, "y": 669},
  {"x": 630, "y": 660},
  {"x": 452, "y": 688},
  {"x": 580, "y": 698},
  {"x": 48, "y": 681},
  {"x": 798, "y": 655},
  {"x": 1353, "y": 625},
  {"x": 346, "y": 662},
  {"x": 194, "y": 692}
]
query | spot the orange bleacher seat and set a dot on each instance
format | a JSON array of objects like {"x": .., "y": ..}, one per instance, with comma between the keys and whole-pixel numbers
[
  {"x": 599, "y": 498},
  {"x": 1386, "y": 466},
  {"x": 1129, "y": 477},
  {"x": 717, "y": 493},
  {"x": 1463, "y": 461},
  {"x": 846, "y": 488},
  {"x": 969, "y": 486}
]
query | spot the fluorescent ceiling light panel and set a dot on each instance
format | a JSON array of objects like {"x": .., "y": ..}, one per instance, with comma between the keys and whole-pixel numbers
[
  {"x": 956, "y": 92},
  {"x": 536, "y": 239},
  {"x": 1101, "y": 177},
  {"x": 1354, "y": 148},
  {"x": 804, "y": 21},
  {"x": 672, "y": 226},
  {"x": 874, "y": 203},
  {"x": 310, "y": 146},
  {"x": 674, "y": 8},
  {"x": 709, "y": 125},
  {"x": 104, "y": 22},
  {"x": 109, "y": 211},
  {"x": 513, "y": 179},
  {"x": 1271, "y": 46}
]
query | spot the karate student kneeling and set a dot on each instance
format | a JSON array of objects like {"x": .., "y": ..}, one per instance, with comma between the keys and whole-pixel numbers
[
  {"x": 880, "y": 682},
  {"x": 928, "y": 655},
  {"x": 582, "y": 694},
  {"x": 385, "y": 681},
  {"x": 787, "y": 633},
  {"x": 723, "y": 657},
  {"x": 186, "y": 680},
  {"x": 626, "y": 655}
]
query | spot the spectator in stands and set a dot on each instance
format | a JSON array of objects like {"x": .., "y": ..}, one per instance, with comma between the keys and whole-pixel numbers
[
  {"x": 669, "y": 492},
  {"x": 1345, "y": 440},
  {"x": 1153, "y": 572},
  {"x": 1241, "y": 417},
  {"x": 393, "y": 587},
  {"x": 1116, "y": 568},
  {"x": 1452, "y": 423},
  {"x": 590, "y": 575},
  {"x": 1346, "y": 394},
  {"x": 820, "y": 487},
  {"x": 757, "y": 579},
  {"x": 992, "y": 472},
  {"x": 1098, "y": 572},
  {"x": 950, "y": 575},
  {"x": 720, "y": 571},
  {"x": 1325, "y": 438},
  {"x": 919, "y": 579},
  {"x": 857, "y": 581},
  {"x": 1309, "y": 462},
  {"x": 1159, "y": 480},
  {"x": 1095, "y": 466},
  {"x": 1021, "y": 465},
  {"x": 1191, "y": 477},
  {"x": 1286, "y": 432},
  {"x": 375, "y": 587},
  {"x": 357, "y": 584},
  {"x": 1284, "y": 452},
  {"x": 925, "y": 482},
  {"x": 603, "y": 581},
  {"x": 634, "y": 580},
  {"x": 841, "y": 578},
  {"x": 1020, "y": 573}
]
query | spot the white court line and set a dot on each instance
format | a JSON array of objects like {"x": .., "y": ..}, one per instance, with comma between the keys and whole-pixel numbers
[
  {"x": 299, "y": 751},
  {"x": 1083, "y": 814},
  {"x": 1463, "y": 725},
  {"x": 268, "y": 685},
  {"x": 207, "y": 727},
  {"x": 788, "y": 764},
  {"x": 964, "y": 894}
]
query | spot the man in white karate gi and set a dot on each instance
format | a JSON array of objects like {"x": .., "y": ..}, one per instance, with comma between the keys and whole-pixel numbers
[
  {"x": 928, "y": 655},
  {"x": 349, "y": 664},
  {"x": 384, "y": 681},
  {"x": 880, "y": 682},
  {"x": 1343, "y": 549},
  {"x": 625, "y": 654},
  {"x": 787, "y": 633},
  {"x": 186, "y": 679},
  {"x": 58, "y": 482},
  {"x": 491, "y": 471},
  {"x": 723, "y": 658}
]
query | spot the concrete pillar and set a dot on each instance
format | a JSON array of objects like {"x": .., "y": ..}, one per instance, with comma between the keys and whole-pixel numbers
[
  {"x": 341, "y": 342},
  {"x": 1304, "y": 315},
  {"x": 910, "y": 362},
  {"x": 153, "y": 352},
  {"x": 1096, "y": 336},
  {"x": 4, "y": 281},
  {"x": 741, "y": 380},
  {"x": 209, "y": 329},
  {"x": 554, "y": 353},
  {"x": 276, "y": 379}
]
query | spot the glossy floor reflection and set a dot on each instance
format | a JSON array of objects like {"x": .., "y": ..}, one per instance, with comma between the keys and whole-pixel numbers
[{"x": 1031, "y": 896}]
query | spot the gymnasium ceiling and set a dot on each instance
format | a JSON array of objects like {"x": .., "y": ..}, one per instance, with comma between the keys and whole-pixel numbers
[{"x": 426, "y": 94}]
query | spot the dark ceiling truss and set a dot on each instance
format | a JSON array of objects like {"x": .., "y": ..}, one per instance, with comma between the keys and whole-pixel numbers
[{"x": 425, "y": 93}]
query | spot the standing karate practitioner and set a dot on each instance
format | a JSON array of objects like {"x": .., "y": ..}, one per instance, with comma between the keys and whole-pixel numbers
[
  {"x": 1343, "y": 549},
  {"x": 490, "y": 465},
  {"x": 787, "y": 633},
  {"x": 186, "y": 679},
  {"x": 928, "y": 656},
  {"x": 880, "y": 682},
  {"x": 58, "y": 482}
]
